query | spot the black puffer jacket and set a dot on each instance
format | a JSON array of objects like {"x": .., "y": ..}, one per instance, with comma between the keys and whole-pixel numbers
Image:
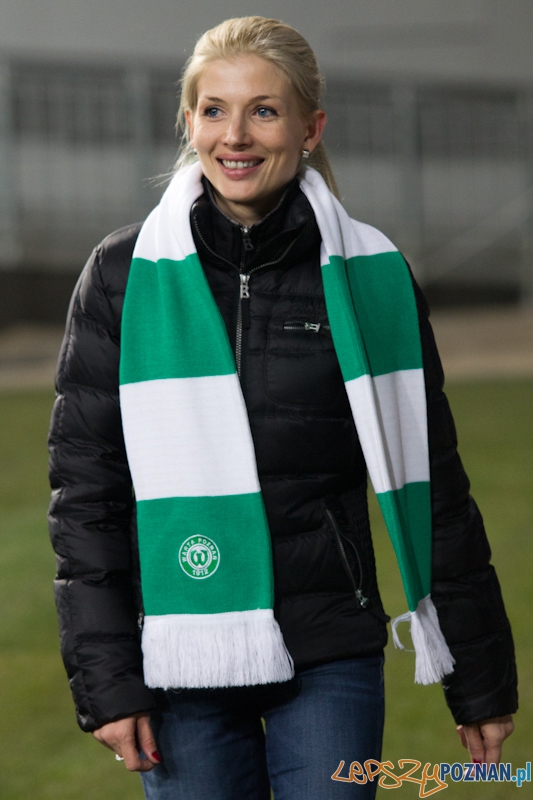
[{"x": 311, "y": 469}]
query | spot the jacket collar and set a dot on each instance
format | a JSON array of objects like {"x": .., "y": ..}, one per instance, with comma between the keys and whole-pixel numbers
[{"x": 225, "y": 242}]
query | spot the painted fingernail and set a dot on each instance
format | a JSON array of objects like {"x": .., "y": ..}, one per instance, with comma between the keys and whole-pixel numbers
[
  {"x": 156, "y": 756},
  {"x": 476, "y": 761}
]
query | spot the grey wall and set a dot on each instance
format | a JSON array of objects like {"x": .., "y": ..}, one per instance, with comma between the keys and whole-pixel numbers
[{"x": 471, "y": 39}]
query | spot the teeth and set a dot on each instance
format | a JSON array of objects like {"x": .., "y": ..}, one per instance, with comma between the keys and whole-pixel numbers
[{"x": 239, "y": 164}]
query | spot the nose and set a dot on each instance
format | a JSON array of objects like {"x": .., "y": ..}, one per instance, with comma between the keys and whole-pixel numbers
[{"x": 237, "y": 134}]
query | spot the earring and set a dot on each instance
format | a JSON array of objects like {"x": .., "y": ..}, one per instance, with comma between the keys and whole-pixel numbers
[
  {"x": 195, "y": 151},
  {"x": 305, "y": 153}
]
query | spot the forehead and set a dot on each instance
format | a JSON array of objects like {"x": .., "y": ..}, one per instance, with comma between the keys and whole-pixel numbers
[{"x": 247, "y": 75}]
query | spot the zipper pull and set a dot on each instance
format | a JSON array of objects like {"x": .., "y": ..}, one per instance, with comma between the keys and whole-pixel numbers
[
  {"x": 363, "y": 601},
  {"x": 247, "y": 242},
  {"x": 245, "y": 288},
  {"x": 312, "y": 326},
  {"x": 245, "y": 300}
]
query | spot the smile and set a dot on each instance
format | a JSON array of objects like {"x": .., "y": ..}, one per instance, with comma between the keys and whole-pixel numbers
[{"x": 240, "y": 164}]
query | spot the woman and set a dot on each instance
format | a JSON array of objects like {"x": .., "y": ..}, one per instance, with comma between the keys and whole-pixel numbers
[{"x": 248, "y": 292}]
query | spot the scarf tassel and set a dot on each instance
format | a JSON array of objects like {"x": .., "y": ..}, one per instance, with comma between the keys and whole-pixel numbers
[
  {"x": 433, "y": 657},
  {"x": 196, "y": 651}
]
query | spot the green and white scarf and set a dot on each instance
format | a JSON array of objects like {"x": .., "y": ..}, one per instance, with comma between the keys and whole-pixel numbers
[{"x": 204, "y": 543}]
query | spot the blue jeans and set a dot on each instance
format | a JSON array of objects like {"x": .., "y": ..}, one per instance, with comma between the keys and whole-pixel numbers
[{"x": 214, "y": 746}]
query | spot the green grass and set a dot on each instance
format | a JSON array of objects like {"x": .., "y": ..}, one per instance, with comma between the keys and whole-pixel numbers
[{"x": 44, "y": 756}]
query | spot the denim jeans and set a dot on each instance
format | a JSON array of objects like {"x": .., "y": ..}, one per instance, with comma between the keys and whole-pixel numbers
[{"x": 215, "y": 747}]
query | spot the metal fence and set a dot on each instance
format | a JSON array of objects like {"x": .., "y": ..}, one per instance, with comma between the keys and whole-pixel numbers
[{"x": 445, "y": 171}]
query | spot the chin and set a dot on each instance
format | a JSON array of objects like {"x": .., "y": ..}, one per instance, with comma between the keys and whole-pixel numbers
[{"x": 238, "y": 195}]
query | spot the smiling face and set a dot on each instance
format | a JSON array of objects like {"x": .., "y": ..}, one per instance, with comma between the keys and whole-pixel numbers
[{"x": 249, "y": 131}]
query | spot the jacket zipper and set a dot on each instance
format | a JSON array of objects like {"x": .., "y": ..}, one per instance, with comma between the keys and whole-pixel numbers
[
  {"x": 243, "y": 311},
  {"x": 361, "y": 599},
  {"x": 244, "y": 288},
  {"x": 300, "y": 325},
  {"x": 244, "y": 294}
]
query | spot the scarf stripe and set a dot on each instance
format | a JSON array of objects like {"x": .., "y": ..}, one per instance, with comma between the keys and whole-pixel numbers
[
  {"x": 206, "y": 562},
  {"x": 399, "y": 412},
  {"x": 229, "y": 521},
  {"x": 167, "y": 452},
  {"x": 194, "y": 322},
  {"x": 410, "y": 507}
]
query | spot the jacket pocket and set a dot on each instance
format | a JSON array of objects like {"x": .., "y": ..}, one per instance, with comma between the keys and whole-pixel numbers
[
  {"x": 351, "y": 559},
  {"x": 301, "y": 365},
  {"x": 305, "y": 326}
]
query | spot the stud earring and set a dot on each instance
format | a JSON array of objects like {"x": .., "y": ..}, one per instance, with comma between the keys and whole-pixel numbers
[
  {"x": 305, "y": 153},
  {"x": 195, "y": 151}
]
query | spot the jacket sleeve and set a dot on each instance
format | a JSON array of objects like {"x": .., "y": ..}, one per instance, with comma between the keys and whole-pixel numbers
[
  {"x": 91, "y": 512},
  {"x": 465, "y": 588}
]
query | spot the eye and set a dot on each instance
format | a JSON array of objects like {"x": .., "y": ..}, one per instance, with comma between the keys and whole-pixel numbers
[
  {"x": 264, "y": 112},
  {"x": 212, "y": 112}
]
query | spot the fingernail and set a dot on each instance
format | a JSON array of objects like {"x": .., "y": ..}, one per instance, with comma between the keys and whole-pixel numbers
[
  {"x": 156, "y": 756},
  {"x": 476, "y": 761}
]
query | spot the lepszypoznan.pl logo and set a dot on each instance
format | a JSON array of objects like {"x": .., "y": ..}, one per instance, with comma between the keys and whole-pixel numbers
[{"x": 430, "y": 778}]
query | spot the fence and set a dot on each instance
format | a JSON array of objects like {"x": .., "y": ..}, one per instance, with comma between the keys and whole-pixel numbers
[{"x": 445, "y": 171}]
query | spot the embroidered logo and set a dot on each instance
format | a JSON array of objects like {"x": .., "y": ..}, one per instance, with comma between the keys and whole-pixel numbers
[{"x": 199, "y": 557}]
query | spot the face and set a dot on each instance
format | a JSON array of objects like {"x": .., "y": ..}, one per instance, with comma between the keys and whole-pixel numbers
[{"x": 249, "y": 132}]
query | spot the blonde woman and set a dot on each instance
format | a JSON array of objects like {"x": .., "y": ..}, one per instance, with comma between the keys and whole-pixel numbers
[{"x": 241, "y": 361}]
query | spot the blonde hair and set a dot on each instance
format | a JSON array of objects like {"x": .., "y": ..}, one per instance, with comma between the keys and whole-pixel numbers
[{"x": 269, "y": 39}]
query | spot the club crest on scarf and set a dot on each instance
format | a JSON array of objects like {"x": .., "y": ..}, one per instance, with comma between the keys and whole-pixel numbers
[{"x": 199, "y": 557}]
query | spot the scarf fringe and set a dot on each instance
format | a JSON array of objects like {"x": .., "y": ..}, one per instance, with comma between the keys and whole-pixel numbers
[
  {"x": 197, "y": 651},
  {"x": 433, "y": 657}
]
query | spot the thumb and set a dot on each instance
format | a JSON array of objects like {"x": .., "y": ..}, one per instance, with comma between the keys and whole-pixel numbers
[{"x": 146, "y": 739}]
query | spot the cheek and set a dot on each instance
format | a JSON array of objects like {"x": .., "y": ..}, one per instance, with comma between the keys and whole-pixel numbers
[
  {"x": 201, "y": 134},
  {"x": 292, "y": 146},
  {"x": 291, "y": 156},
  {"x": 286, "y": 150}
]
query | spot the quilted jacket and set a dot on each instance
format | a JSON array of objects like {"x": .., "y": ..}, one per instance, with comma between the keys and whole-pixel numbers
[{"x": 310, "y": 464}]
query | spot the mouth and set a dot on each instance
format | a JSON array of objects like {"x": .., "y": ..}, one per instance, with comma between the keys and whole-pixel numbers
[{"x": 240, "y": 164}]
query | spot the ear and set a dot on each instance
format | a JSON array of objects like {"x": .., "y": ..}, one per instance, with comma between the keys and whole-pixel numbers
[
  {"x": 315, "y": 128},
  {"x": 189, "y": 120}
]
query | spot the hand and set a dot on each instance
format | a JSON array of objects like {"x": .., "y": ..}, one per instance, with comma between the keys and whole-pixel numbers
[
  {"x": 127, "y": 737},
  {"x": 484, "y": 740}
]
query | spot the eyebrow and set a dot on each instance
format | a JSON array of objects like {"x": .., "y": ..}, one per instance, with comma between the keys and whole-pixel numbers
[{"x": 256, "y": 99}]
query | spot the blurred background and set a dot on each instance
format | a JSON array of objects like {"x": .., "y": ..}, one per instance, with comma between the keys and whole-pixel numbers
[{"x": 430, "y": 133}]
